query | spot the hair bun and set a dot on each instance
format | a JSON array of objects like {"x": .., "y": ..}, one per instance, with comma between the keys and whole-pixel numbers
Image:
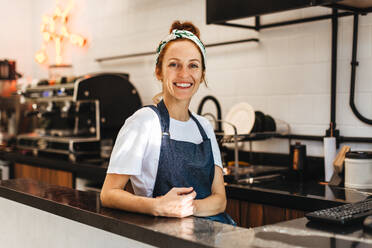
[{"x": 189, "y": 26}]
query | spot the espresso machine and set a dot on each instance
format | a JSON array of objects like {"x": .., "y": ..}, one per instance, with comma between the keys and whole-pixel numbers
[
  {"x": 10, "y": 107},
  {"x": 10, "y": 111},
  {"x": 78, "y": 118}
]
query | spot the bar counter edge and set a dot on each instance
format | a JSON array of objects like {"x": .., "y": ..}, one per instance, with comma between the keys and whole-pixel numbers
[
  {"x": 77, "y": 206},
  {"x": 294, "y": 196}
]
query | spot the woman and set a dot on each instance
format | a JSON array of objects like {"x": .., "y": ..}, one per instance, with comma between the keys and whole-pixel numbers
[{"x": 170, "y": 154}]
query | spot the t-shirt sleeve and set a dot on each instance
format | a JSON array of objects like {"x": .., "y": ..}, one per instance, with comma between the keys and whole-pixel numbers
[
  {"x": 211, "y": 135},
  {"x": 130, "y": 145}
]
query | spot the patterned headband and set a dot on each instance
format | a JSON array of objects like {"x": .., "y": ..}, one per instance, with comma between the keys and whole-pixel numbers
[{"x": 180, "y": 34}]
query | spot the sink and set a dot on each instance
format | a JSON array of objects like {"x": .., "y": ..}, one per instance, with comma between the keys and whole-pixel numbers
[{"x": 245, "y": 174}]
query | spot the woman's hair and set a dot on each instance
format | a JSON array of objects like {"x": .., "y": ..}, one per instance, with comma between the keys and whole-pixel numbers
[{"x": 189, "y": 26}]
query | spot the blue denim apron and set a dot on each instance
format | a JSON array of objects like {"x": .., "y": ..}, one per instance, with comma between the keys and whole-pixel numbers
[{"x": 185, "y": 164}]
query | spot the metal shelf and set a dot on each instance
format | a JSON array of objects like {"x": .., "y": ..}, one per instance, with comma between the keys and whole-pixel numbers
[
  {"x": 220, "y": 12},
  {"x": 246, "y": 137},
  {"x": 50, "y": 87},
  {"x": 124, "y": 56}
]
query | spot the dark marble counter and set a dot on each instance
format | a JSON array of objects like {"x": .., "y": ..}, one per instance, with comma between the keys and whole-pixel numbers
[
  {"x": 308, "y": 196},
  {"x": 302, "y": 233},
  {"x": 85, "y": 208}
]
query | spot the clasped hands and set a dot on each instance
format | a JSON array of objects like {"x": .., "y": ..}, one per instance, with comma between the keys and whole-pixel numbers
[{"x": 178, "y": 202}]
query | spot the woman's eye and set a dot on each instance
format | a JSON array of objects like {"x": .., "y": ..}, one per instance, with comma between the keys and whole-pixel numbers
[
  {"x": 172, "y": 65},
  {"x": 194, "y": 65}
]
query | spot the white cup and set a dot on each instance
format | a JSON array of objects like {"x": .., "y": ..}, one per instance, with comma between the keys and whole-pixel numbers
[{"x": 281, "y": 127}]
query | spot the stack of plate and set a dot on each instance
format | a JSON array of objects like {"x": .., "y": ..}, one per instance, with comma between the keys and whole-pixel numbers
[
  {"x": 246, "y": 120},
  {"x": 242, "y": 116}
]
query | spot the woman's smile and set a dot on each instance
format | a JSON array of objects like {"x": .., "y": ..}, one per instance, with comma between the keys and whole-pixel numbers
[{"x": 183, "y": 85}]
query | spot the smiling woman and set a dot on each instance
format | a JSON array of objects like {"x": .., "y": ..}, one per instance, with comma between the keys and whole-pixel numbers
[
  {"x": 170, "y": 154},
  {"x": 189, "y": 48},
  {"x": 181, "y": 71}
]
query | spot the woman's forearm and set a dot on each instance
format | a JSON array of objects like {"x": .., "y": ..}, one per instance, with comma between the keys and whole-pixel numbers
[
  {"x": 121, "y": 199},
  {"x": 178, "y": 202},
  {"x": 212, "y": 205}
]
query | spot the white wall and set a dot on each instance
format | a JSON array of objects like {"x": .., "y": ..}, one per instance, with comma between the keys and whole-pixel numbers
[
  {"x": 25, "y": 226},
  {"x": 286, "y": 75},
  {"x": 15, "y": 35}
]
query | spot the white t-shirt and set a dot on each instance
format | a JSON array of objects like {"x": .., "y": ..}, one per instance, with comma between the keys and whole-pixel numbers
[{"x": 137, "y": 147}]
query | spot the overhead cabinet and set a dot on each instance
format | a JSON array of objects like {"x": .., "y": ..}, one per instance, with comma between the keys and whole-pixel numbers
[{"x": 220, "y": 11}]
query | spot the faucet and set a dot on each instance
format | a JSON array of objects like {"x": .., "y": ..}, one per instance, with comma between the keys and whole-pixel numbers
[{"x": 219, "y": 117}]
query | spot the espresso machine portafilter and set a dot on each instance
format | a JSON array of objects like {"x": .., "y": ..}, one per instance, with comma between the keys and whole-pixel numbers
[{"x": 77, "y": 119}]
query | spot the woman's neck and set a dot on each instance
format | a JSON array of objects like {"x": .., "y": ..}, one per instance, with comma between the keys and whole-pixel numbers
[{"x": 178, "y": 110}]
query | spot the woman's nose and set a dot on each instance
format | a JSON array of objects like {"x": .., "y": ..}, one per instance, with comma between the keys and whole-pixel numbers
[{"x": 182, "y": 71}]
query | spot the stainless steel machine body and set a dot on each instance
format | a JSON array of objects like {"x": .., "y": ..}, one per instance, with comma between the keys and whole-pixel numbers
[{"x": 76, "y": 118}]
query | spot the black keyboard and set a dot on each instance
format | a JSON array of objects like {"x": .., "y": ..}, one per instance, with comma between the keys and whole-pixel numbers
[{"x": 344, "y": 214}]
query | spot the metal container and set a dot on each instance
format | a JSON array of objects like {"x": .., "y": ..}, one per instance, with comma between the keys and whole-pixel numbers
[
  {"x": 298, "y": 161},
  {"x": 358, "y": 169}
]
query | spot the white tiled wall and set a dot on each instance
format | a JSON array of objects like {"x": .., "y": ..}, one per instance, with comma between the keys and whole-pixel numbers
[
  {"x": 286, "y": 75},
  {"x": 15, "y": 34}
]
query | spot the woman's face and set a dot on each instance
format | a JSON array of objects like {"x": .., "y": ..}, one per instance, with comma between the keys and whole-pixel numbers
[{"x": 181, "y": 70}]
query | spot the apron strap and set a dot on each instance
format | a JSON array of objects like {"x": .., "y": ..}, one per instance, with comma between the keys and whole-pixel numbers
[
  {"x": 162, "y": 112},
  {"x": 164, "y": 117},
  {"x": 160, "y": 119},
  {"x": 201, "y": 129}
]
